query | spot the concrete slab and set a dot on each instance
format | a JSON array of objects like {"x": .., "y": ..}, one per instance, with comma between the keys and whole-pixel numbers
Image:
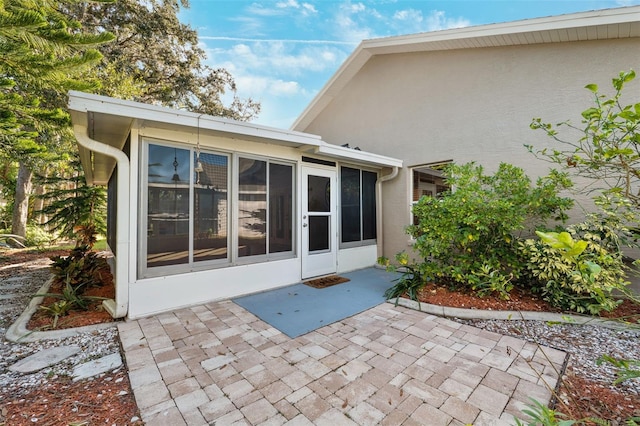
[
  {"x": 97, "y": 366},
  {"x": 44, "y": 359}
]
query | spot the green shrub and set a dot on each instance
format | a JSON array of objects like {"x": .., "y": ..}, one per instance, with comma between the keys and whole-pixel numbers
[
  {"x": 578, "y": 275},
  {"x": 70, "y": 298},
  {"x": 467, "y": 237},
  {"x": 38, "y": 237},
  {"x": 80, "y": 268},
  {"x": 409, "y": 283}
]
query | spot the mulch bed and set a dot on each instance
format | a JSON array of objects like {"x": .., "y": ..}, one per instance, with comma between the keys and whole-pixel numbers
[
  {"x": 325, "y": 282},
  {"x": 520, "y": 300},
  {"x": 95, "y": 314}
]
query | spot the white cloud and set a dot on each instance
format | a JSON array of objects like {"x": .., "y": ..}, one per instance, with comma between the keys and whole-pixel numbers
[
  {"x": 282, "y": 88},
  {"x": 351, "y": 22},
  {"x": 438, "y": 21},
  {"x": 409, "y": 21},
  {"x": 276, "y": 58}
]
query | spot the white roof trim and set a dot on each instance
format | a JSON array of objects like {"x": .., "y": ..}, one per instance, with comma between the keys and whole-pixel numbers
[
  {"x": 340, "y": 152},
  {"x": 86, "y": 102},
  {"x": 82, "y": 104},
  {"x": 623, "y": 22}
]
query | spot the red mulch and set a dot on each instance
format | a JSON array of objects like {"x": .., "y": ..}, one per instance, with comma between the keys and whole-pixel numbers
[
  {"x": 106, "y": 400},
  {"x": 520, "y": 300},
  {"x": 589, "y": 399},
  {"x": 95, "y": 314}
]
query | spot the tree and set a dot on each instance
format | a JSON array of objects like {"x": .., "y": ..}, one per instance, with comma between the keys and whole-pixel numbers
[
  {"x": 162, "y": 55},
  {"x": 606, "y": 150},
  {"x": 42, "y": 53},
  {"x": 73, "y": 203}
]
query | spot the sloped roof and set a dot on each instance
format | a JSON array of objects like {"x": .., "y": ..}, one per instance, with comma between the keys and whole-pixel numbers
[
  {"x": 604, "y": 24},
  {"x": 109, "y": 121}
]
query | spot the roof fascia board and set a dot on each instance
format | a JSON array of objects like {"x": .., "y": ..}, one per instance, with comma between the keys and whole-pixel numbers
[
  {"x": 502, "y": 34},
  {"x": 355, "y": 155},
  {"x": 599, "y": 18},
  {"x": 85, "y": 102}
]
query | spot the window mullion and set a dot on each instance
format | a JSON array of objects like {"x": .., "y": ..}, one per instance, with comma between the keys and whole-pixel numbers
[{"x": 192, "y": 208}]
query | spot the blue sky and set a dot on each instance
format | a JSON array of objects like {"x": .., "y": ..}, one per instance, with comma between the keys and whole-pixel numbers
[{"x": 282, "y": 52}]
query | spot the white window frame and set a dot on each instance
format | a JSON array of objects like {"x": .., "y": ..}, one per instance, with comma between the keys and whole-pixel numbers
[
  {"x": 361, "y": 242},
  {"x": 428, "y": 169},
  {"x": 232, "y": 258}
]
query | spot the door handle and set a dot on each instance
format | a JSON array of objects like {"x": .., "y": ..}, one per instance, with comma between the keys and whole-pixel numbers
[{"x": 304, "y": 225}]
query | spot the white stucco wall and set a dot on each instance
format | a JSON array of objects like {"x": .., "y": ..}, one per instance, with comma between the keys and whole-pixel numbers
[{"x": 467, "y": 105}]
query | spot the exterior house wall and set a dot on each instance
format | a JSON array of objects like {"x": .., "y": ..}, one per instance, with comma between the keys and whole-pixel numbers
[
  {"x": 154, "y": 293},
  {"x": 466, "y": 105}
]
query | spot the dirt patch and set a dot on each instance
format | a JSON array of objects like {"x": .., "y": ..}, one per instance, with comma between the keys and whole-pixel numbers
[{"x": 325, "y": 282}]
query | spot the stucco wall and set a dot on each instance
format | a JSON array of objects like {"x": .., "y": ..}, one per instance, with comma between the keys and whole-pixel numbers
[{"x": 467, "y": 105}]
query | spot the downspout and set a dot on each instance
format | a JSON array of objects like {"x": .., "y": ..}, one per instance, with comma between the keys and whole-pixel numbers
[
  {"x": 379, "y": 230},
  {"x": 118, "y": 307}
]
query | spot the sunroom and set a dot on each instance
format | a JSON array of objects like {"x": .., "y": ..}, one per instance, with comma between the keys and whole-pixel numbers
[{"x": 202, "y": 208}]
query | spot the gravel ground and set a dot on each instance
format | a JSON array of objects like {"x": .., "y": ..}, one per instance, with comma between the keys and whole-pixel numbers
[{"x": 22, "y": 281}]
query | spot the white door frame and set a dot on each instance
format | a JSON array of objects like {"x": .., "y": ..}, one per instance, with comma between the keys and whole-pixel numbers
[{"x": 321, "y": 260}]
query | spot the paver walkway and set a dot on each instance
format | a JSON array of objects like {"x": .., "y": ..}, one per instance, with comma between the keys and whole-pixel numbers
[{"x": 219, "y": 364}]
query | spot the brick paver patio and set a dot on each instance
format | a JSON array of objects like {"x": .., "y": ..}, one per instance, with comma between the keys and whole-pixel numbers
[{"x": 219, "y": 364}]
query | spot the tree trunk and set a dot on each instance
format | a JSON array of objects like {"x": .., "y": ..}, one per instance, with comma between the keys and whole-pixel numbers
[
  {"x": 21, "y": 205},
  {"x": 38, "y": 203}
]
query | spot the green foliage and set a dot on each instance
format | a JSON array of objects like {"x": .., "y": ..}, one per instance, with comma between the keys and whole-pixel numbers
[
  {"x": 468, "y": 236},
  {"x": 43, "y": 54},
  {"x": 57, "y": 310},
  {"x": 627, "y": 368},
  {"x": 542, "y": 415},
  {"x": 161, "y": 58},
  {"x": 38, "y": 237},
  {"x": 578, "y": 275},
  {"x": 78, "y": 269},
  {"x": 71, "y": 297},
  {"x": 604, "y": 147},
  {"x": 410, "y": 280},
  {"x": 72, "y": 204}
]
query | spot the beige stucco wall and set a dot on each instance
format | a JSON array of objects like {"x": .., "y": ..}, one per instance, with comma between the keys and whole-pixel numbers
[{"x": 467, "y": 105}]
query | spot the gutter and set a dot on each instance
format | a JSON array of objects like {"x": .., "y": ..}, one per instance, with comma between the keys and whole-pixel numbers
[
  {"x": 379, "y": 182},
  {"x": 118, "y": 307}
]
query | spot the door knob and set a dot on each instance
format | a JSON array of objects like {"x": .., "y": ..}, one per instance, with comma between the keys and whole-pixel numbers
[{"x": 304, "y": 225}]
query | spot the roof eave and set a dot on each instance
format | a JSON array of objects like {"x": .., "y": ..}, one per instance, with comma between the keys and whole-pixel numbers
[{"x": 491, "y": 35}]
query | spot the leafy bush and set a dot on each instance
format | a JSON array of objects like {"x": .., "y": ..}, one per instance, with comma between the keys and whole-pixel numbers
[
  {"x": 579, "y": 275},
  {"x": 467, "y": 236},
  {"x": 70, "y": 298},
  {"x": 80, "y": 268},
  {"x": 38, "y": 236},
  {"x": 542, "y": 415},
  {"x": 409, "y": 283}
]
